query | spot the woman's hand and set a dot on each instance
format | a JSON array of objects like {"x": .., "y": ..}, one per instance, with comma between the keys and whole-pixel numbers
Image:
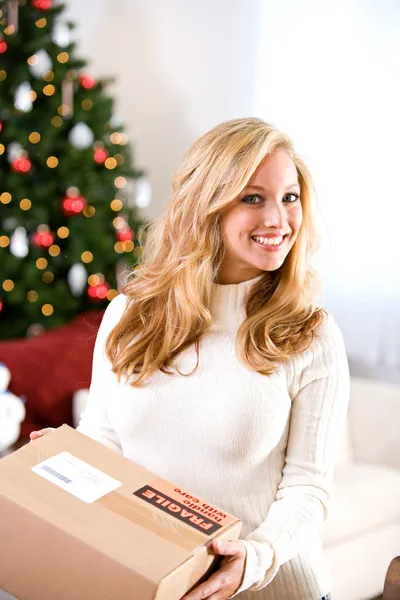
[
  {"x": 224, "y": 582},
  {"x": 34, "y": 435}
]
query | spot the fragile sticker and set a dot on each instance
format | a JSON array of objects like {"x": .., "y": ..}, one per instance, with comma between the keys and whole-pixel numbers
[{"x": 184, "y": 506}]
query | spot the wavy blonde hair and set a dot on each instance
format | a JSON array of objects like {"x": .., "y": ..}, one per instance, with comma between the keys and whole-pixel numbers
[{"x": 169, "y": 295}]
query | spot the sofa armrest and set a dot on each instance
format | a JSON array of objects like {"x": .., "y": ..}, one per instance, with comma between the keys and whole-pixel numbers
[
  {"x": 374, "y": 415},
  {"x": 392, "y": 582}
]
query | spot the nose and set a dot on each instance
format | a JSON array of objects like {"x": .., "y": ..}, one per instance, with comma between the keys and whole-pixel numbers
[{"x": 274, "y": 214}]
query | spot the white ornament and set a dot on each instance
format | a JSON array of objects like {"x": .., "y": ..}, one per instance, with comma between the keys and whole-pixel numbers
[
  {"x": 42, "y": 64},
  {"x": 23, "y": 97},
  {"x": 19, "y": 243},
  {"x": 14, "y": 151},
  {"x": 116, "y": 122},
  {"x": 77, "y": 279},
  {"x": 61, "y": 34},
  {"x": 12, "y": 412},
  {"x": 142, "y": 192},
  {"x": 81, "y": 136}
]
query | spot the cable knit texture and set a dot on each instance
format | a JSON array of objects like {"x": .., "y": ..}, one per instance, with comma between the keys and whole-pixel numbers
[{"x": 262, "y": 448}]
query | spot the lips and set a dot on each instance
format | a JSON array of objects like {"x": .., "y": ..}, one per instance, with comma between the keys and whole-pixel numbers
[{"x": 271, "y": 247}]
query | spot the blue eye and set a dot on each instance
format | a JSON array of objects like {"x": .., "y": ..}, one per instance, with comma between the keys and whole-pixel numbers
[
  {"x": 250, "y": 196},
  {"x": 252, "y": 199},
  {"x": 295, "y": 196}
]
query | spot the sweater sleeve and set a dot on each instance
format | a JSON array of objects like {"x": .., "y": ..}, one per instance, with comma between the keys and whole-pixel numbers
[
  {"x": 94, "y": 420},
  {"x": 320, "y": 397}
]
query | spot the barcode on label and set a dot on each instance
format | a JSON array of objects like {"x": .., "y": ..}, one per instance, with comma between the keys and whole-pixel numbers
[{"x": 55, "y": 474}]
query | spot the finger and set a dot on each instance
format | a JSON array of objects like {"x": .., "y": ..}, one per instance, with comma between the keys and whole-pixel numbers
[
  {"x": 36, "y": 434},
  {"x": 236, "y": 548},
  {"x": 203, "y": 591},
  {"x": 219, "y": 586}
]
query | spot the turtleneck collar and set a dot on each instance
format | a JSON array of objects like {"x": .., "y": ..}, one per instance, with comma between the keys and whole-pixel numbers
[{"x": 228, "y": 305}]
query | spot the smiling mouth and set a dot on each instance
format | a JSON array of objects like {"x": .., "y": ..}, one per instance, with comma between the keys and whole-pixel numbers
[{"x": 274, "y": 243}]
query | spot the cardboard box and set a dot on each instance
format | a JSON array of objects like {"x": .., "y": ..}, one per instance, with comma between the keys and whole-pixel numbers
[{"x": 80, "y": 522}]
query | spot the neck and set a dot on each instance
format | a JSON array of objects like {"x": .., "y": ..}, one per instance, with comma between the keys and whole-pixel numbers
[{"x": 233, "y": 278}]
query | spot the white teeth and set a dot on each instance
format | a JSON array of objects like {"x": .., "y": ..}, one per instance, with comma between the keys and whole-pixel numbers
[{"x": 268, "y": 241}]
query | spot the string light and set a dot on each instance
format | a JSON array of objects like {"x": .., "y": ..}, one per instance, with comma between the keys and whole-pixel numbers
[
  {"x": 111, "y": 294},
  {"x": 63, "y": 57},
  {"x": 110, "y": 163},
  {"x": 89, "y": 211},
  {"x": 71, "y": 74},
  {"x": 48, "y": 277},
  {"x": 115, "y": 137},
  {"x": 116, "y": 205},
  {"x": 32, "y": 296},
  {"x": 3, "y": 46},
  {"x": 49, "y": 90},
  {"x": 3, "y": 74},
  {"x": 86, "y": 257},
  {"x": 56, "y": 121},
  {"x": 119, "y": 223},
  {"x": 119, "y": 158},
  {"x": 128, "y": 246},
  {"x": 25, "y": 204},
  {"x": 5, "y": 198},
  {"x": 1, "y": 149},
  {"x": 8, "y": 285},
  {"x": 52, "y": 162},
  {"x": 4, "y": 241},
  {"x": 47, "y": 310},
  {"x": 63, "y": 232},
  {"x": 94, "y": 280},
  {"x": 41, "y": 263},
  {"x": 87, "y": 104},
  {"x": 119, "y": 247},
  {"x": 32, "y": 95},
  {"x": 54, "y": 250},
  {"x": 9, "y": 30},
  {"x": 32, "y": 60},
  {"x": 72, "y": 191},
  {"x": 41, "y": 23},
  {"x": 120, "y": 182},
  {"x": 48, "y": 76},
  {"x": 63, "y": 110},
  {"x": 34, "y": 137}
]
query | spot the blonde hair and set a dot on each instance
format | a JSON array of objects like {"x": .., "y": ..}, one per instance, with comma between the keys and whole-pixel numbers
[{"x": 169, "y": 295}]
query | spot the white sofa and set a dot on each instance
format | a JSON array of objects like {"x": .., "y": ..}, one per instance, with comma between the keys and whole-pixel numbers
[{"x": 362, "y": 532}]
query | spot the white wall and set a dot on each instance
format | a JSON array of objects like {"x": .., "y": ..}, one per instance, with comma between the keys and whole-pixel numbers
[
  {"x": 181, "y": 68},
  {"x": 331, "y": 80}
]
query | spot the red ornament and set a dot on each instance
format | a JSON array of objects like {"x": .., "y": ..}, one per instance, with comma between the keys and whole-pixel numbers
[
  {"x": 42, "y": 4},
  {"x": 43, "y": 239},
  {"x": 100, "y": 155},
  {"x": 87, "y": 82},
  {"x": 125, "y": 235},
  {"x": 98, "y": 292},
  {"x": 3, "y": 46},
  {"x": 73, "y": 205},
  {"x": 21, "y": 165}
]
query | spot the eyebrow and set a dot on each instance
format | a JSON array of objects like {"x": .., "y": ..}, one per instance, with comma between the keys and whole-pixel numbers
[{"x": 258, "y": 187}]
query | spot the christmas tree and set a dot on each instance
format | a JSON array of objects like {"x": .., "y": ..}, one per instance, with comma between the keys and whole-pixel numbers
[{"x": 68, "y": 217}]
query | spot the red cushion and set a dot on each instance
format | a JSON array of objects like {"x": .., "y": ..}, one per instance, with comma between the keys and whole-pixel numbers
[{"x": 49, "y": 368}]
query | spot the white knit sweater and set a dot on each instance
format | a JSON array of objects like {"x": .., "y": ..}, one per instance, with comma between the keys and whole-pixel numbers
[{"x": 262, "y": 448}]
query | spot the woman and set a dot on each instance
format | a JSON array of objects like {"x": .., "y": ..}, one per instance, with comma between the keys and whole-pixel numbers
[{"x": 217, "y": 369}]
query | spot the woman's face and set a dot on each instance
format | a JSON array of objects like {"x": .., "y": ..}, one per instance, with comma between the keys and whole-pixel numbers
[{"x": 261, "y": 226}]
